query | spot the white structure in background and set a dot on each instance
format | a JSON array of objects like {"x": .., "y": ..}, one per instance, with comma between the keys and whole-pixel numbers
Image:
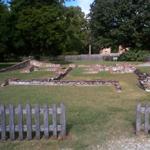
[{"x": 107, "y": 51}]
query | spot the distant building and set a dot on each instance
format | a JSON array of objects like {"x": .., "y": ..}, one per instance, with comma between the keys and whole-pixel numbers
[
  {"x": 107, "y": 51},
  {"x": 122, "y": 49}
]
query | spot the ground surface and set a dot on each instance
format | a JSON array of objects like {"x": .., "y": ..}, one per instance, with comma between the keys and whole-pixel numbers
[{"x": 98, "y": 118}]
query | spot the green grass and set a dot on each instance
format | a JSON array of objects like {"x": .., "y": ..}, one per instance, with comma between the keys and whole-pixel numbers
[
  {"x": 95, "y": 115},
  {"x": 102, "y": 62},
  {"x": 144, "y": 69},
  {"x": 32, "y": 75}
]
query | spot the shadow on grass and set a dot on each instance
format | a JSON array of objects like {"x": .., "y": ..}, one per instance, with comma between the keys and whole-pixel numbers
[
  {"x": 134, "y": 127},
  {"x": 33, "y": 135},
  {"x": 69, "y": 127}
]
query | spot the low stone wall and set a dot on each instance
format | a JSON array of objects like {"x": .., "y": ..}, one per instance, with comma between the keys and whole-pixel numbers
[
  {"x": 35, "y": 65},
  {"x": 17, "y": 66},
  {"x": 43, "y": 64},
  {"x": 49, "y": 82},
  {"x": 27, "y": 69},
  {"x": 61, "y": 75},
  {"x": 30, "y": 65},
  {"x": 144, "y": 80},
  {"x": 118, "y": 68}
]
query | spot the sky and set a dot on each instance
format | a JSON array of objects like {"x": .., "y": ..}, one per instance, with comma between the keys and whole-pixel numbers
[{"x": 84, "y": 4}]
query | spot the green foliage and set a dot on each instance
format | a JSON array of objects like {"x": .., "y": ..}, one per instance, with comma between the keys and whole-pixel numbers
[
  {"x": 40, "y": 27},
  {"x": 134, "y": 55},
  {"x": 75, "y": 30},
  {"x": 4, "y": 30},
  {"x": 43, "y": 33},
  {"x": 125, "y": 22}
]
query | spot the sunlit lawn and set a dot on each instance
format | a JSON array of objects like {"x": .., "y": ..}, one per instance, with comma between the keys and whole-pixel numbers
[
  {"x": 144, "y": 69},
  {"x": 95, "y": 115}
]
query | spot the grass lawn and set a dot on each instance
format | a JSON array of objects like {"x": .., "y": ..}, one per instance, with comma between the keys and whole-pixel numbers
[
  {"x": 103, "y": 62},
  {"x": 18, "y": 75},
  {"x": 144, "y": 69},
  {"x": 95, "y": 115}
]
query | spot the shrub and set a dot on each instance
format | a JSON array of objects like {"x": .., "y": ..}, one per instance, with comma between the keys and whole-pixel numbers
[{"x": 134, "y": 55}]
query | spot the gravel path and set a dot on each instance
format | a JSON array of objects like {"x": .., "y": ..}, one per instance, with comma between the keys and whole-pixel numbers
[{"x": 140, "y": 143}]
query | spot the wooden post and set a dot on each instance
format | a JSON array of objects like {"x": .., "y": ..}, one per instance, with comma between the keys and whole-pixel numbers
[
  {"x": 138, "y": 118},
  {"x": 54, "y": 120},
  {"x": 63, "y": 121},
  {"x": 3, "y": 122},
  {"x": 11, "y": 122},
  {"x": 90, "y": 49},
  {"x": 37, "y": 121},
  {"x": 146, "y": 125},
  {"x": 29, "y": 122},
  {"x": 20, "y": 122},
  {"x": 46, "y": 124}
]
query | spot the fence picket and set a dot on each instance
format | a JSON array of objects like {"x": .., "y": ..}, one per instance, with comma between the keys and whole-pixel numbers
[
  {"x": 46, "y": 124},
  {"x": 54, "y": 120},
  {"x": 20, "y": 122},
  {"x": 138, "y": 118},
  {"x": 62, "y": 120},
  {"x": 146, "y": 128},
  {"x": 11, "y": 122},
  {"x": 29, "y": 122},
  {"x": 3, "y": 122},
  {"x": 37, "y": 121}
]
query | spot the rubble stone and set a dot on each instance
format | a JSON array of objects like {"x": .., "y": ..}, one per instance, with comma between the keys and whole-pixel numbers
[
  {"x": 144, "y": 80},
  {"x": 118, "y": 68},
  {"x": 48, "y": 82}
]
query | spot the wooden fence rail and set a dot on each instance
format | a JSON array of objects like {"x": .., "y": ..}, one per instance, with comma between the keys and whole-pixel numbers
[
  {"x": 143, "y": 118},
  {"x": 25, "y": 122}
]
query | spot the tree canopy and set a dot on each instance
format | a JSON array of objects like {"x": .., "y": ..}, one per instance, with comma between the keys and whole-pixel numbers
[
  {"x": 125, "y": 22},
  {"x": 4, "y": 29},
  {"x": 37, "y": 27},
  {"x": 47, "y": 27}
]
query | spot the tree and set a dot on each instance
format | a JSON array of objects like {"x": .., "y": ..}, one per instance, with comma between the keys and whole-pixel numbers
[
  {"x": 125, "y": 22},
  {"x": 4, "y": 30},
  {"x": 38, "y": 27},
  {"x": 76, "y": 30},
  {"x": 46, "y": 27}
]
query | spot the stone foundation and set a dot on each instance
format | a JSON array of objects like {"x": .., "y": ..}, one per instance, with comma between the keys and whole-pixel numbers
[
  {"x": 144, "y": 80},
  {"x": 43, "y": 64},
  {"x": 35, "y": 65},
  {"x": 118, "y": 68},
  {"x": 27, "y": 69},
  {"x": 17, "y": 66},
  {"x": 49, "y": 82},
  {"x": 29, "y": 65},
  {"x": 62, "y": 74},
  {"x": 56, "y": 80}
]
